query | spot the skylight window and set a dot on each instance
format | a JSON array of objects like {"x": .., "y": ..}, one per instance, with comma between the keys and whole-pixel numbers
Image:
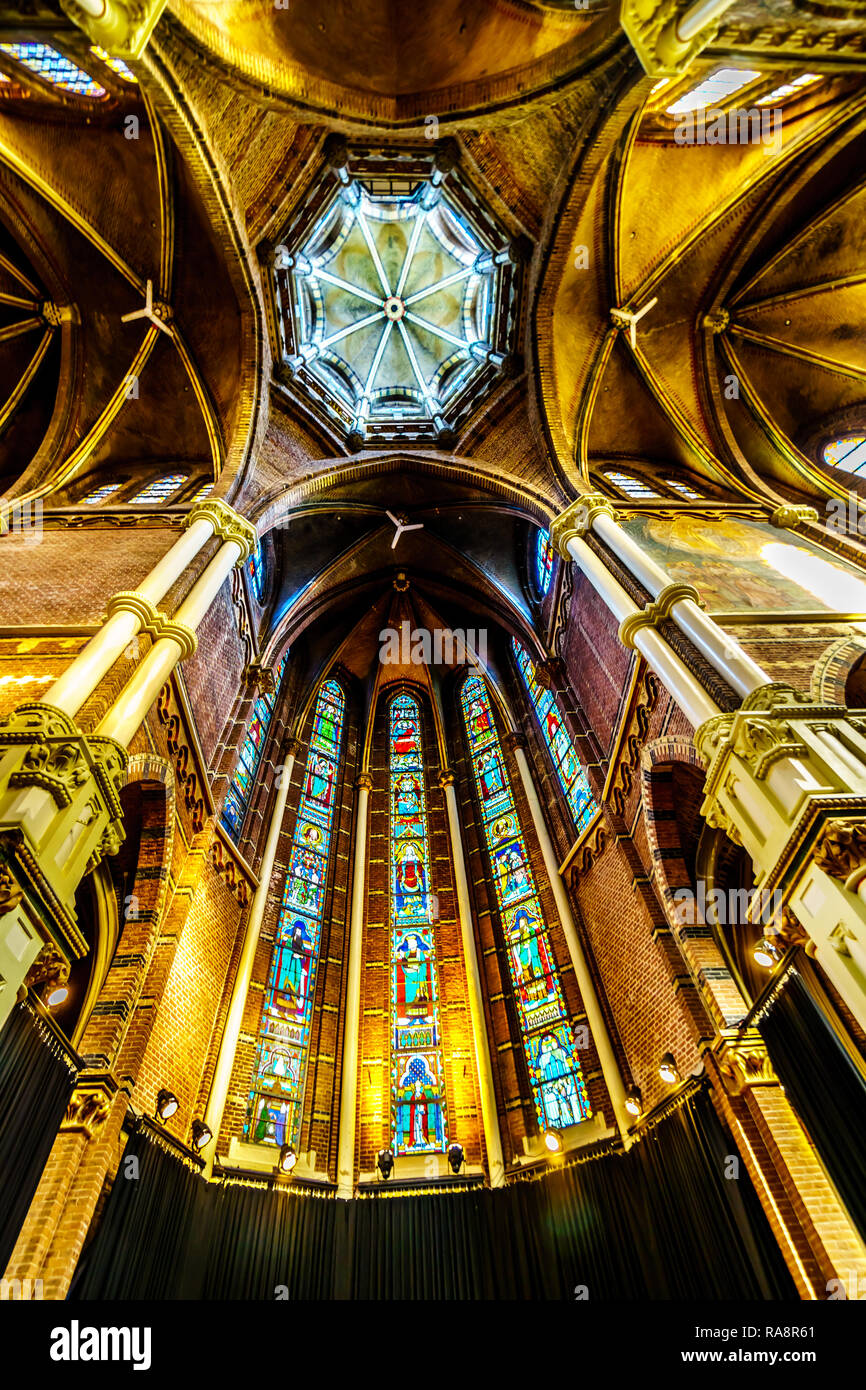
[
  {"x": 789, "y": 89},
  {"x": 53, "y": 67},
  {"x": 713, "y": 91},
  {"x": 631, "y": 486},
  {"x": 849, "y": 453}
]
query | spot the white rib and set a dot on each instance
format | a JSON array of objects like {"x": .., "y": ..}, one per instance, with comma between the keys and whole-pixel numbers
[
  {"x": 344, "y": 332},
  {"x": 416, "y": 369},
  {"x": 437, "y": 332},
  {"x": 410, "y": 251},
  {"x": 440, "y": 285},
  {"x": 344, "y": 285},
  {"x": 374, "y": 254}
]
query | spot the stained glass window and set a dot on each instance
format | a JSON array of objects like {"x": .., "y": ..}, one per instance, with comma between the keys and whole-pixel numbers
[
  {"x": 558, "y": 1086},
  {"x": 683, "y": 489},
  {"x": 849, "y": 453},
  {"x": 238, "y": 793},
  {"x": 418, "y": 1112},
  {"x": 204, "y": 491},
  {"x": 631, "y": 486},
  {"x": 572, "y": 777},
  {"x": 713, "y": 90},
  {"x": 543, "y": 561},
  {"x": 116, "y": 64},
  {"x": 101, "y": 494},
  {"x": 53, "y": 67},
  {"x": 161, "y": 488},
  {"x": 256, "y": 571},
  {"x": 277, "y": 1094}
]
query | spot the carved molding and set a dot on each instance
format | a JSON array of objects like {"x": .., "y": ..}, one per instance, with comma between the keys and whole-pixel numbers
[
  {"x": 153, "y": 623},
  {"x": 841, "y": 851},
  {"x": 655, "y": 613},
  {"x": 11, "y": 891},
  {"x": 183, "y": 760},
  {"x": 50, "y": 969},
  {"x": 228, "y": 524},
  {"x": 228, "y": 869},
  {"x": 87, "y": 1111},
  {"x": 791, "y": 517}
]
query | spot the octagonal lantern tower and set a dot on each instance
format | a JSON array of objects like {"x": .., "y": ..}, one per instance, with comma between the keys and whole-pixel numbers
[{"x": 396, "y": 295}]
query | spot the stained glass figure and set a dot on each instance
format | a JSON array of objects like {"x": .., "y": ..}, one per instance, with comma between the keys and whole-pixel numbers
[
  {"x": 418, "y": 1110},
  {"x": 555, "y": 1073},
  {"x": 572, "y": 777},
  {"x": 256, "y": 571},
  {"x": 282, "y": 1051},
  {"x": 543, "y": 562},
  {"x": 238, "y": 795}
]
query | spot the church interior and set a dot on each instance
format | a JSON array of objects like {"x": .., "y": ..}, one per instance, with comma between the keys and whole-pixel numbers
[{"x": 433, "y": 650}]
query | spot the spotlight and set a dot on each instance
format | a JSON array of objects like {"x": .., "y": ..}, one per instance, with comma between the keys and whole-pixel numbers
[
  {"x": 201, "y": 1134},
  {"x": 166, "y": 1104},
  {"x": 385, "y": 1163},
  {"x": 633, "y": 1100},
  {"x": 288, "y": 1159},
  {"x": 455, "y": 1157},
  {"x": 58, "y": 996},
  {"x": 553, "y": 1141},
  {"x": 668, "y": 1069},
  {"x": 765, "y": 953}
]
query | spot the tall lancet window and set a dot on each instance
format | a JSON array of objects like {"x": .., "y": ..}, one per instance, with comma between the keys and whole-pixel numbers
[
  {"x": 558, "y": 1087},
  {"x": 418, "y": 1113},
  {"x": 572, "y": 777},
  {"x": 276, "y": 1098},
  {"x": 252, "y": 747}
]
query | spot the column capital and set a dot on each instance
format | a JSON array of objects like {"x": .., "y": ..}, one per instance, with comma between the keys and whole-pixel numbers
[
  {"x": 657, "y": 612},
  {"x": 292, "y": 747},
  {"x": 228, "y": 524},
  {"x": 577, "y": 519},
  {"x": 743, "y": 1061},
  {"x": 446, "y": 777},
  {"x": 364, "y": 782}
]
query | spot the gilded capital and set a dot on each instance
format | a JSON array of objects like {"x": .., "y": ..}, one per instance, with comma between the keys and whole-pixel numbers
[
  {"x": 446, "y": 777},
  {"x": 657, "y": 612},
  {"x": 228, "y": 524},
  {"x": 791, "y": 517},
  {"x": 841, "y": 851},
  {"x": 577, "y": 519},
  {"x": 364, "y": 782}
]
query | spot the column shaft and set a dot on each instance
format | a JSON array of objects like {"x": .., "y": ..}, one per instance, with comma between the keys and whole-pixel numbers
[
  {"x": 129, "y": 710},
  {"x": 489, "y": 1117},
  {"x": 689, "y": 694},
  {"x": 351, "y": 1040},
  {"x": 241, "y": 987},
  {"x": 722, "y": 651},
  {"x": 81, "y": 678},
  {"x": 594, "y": 1015}
]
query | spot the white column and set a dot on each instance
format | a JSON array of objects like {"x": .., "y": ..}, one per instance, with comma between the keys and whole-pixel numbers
[
  {"x": 130, "y": 708},
  {"x": 80, "y": 679},
  {"x": 489, "y": 1117},
  {"x": 594, "y": 1015},
  {"x": 722, "y": 651},
  {"x": 219, "y": 1090},
  {"x": 351, "y": 1025},
  {"x": 688, "y": 692}
]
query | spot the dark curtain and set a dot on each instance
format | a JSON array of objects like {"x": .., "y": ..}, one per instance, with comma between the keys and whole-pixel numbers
[
  {"x": 825, "y": 1087},
  {"x": 659, "y": 1222},
  {"x": 36, "y": 1081}
]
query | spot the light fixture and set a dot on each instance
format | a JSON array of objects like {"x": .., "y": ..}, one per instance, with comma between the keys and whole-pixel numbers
[
  {"x": 668, "y": 1069},
  {"x": 201, "y": 1134},
  {"x": 58, "y": 995},
  {"x": 288, "y": 1159},
  {"x": 166, "y": 1104},
  {"x": 765, "y": 953},
  {"x": 385, "y": 1163},
  {"x": 553, "y": 1141},
  {"x": 633, "y": 1100},
  {"x": 456, "y": 1157}
]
